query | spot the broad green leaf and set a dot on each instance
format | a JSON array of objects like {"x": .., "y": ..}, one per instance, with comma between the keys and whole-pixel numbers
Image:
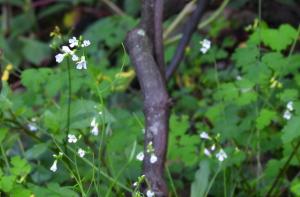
[
  {"x": 20, "y": 166},
  {"x": 36, "y": 151},
  {"x": 200, "y": 184},
  {"x": 291, "y": 131},
  {"x": 3, "y": 132},
  {"x": 35, "y": 51},
  {"x": 288, "y": 95},
  {"x": 295, "y": 187},
  {"x": 7, "y": 183},
  {"x": 264, "y": 118}
]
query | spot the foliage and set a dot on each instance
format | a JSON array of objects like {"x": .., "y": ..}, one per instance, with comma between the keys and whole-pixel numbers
[{"x": 237, "y": 93}]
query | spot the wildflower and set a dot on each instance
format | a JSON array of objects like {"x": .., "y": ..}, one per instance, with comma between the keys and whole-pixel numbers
[
  {"x": 66, "y": 50},
  {"x": 205, "y": 45},
  {"x": 32, "y": 127},
  {"x": 59, "y": 58},
  {"x": 287, "y": 115},
  {"x": 153, "y": 158},
  {"x": 94, "y": 126},
  {"x": 53, "y": 168},
  {"x": 81, "y": 64},
  {"x": 213, "y": 147},
  {"x": 289, "y": 106},
  {"x": 85, "y": 43},
  {"x": 81, "y": 152},
  {"x": 221, "y": 155},
  {"x": 207, "y": 152},
  {"x": 75, "y": 58},
  {"x": 72, "y": 138},
  {"x": 73, "y": 42},
  {"x": 95, "y": 131},
  {"x": 140, "y": 156},
  {"x": 204, "y": 135},
  {"x": 150, "y": 193},
  {"x": 239, "y": 78},
  {"x": 135, "y": 184}
]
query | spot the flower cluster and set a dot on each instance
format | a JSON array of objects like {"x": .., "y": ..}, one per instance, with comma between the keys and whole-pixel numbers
[
  {"x": 220, "y": 155},
  {"x": 74, "y": 45},
  {"x": 150, "y": 150},
  {"x": 288, "y": 112},
  {"x": 141, "y": 179},
  {"x": 205, "y": 45},
  {"x": 72, "y": 139}
]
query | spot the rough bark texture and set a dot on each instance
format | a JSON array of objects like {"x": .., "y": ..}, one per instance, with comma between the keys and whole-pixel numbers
[
  {"x": 156, "y": 106},
  {"x": 145, "y": 47}
]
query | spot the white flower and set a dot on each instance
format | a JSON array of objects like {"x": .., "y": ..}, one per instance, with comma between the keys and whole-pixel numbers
[
  {"x": 95, "y": 130},
  {"x": 213, "y": 147},
  {"x": 66, "y": 50},
  {"x": 53, "y": 168},
  {"x": 205, "y": 45},
  {"x": 59, "y": 58},
  {"x": 72, "y": 138},
  {"x": 221, "y": 155},
  {"x": 204, "y": 135},
  {"x": 150, "y": 193},
  {"x": 81, "y": 152},
  {"x": 73, "y": 42},
  {"x": 86, "y": 43},
  {"x": 290, "y": 106},
  {"x": 32, "y": 127},
  {"x": 134, "y": 184},
  {"x": 93, "y": 122},
  {"x": 207, "y": 152},
  {"x": 140, "y": 156},
  {"x": 75, "y": 58},
  {"x": 153, "y": 158},
  {"x": 239, "y": 78},
  {"x": 287, "y": 115},
  {"x": 81, "y": 64}
]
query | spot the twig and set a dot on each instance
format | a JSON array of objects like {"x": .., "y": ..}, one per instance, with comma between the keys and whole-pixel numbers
[
  {"x": 279, "y": 175},
  {"x": 186, "y": 11},
  {"x": 190, "y": 27},
  {"x": 114, "y": 7}
]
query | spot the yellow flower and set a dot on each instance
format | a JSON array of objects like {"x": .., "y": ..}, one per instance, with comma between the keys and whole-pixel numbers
[{"x": 5, "y": 75}]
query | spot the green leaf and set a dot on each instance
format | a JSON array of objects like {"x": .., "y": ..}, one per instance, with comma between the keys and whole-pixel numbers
[
  {"x": 3, "y": 132},
  {"x": 291, "y": 130},
  {"x": 20, "y": 166},
  {"x": 264, "y": 118},
  {"x": 40, "y": 77},
  {"x": 288, "y": 95},
  {"x": 36, "y": 151},
  {"x": 245, "y": 57},
  {"x": 295, "y": 187},
  {"x": 199, "y": 185},
  {"x": 7, "y": 183},
  {"x": 35, "y": 51}
]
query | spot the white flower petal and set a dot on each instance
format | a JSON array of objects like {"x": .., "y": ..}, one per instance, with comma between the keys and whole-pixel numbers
[
  {"x": 287, "y": 115},
  {"x": 53, "y": 168},
  {"x": 95, "y": 130},
  {"x": 86, "y": 43},
  {"x": 66, "y": 49},
  {"x": 81, "y": 152},
  {"x": 81, "y": 64},
  {"x": 150, "y": 193},
  {"x": 153, "y": 158},
  {"x": 140, "y": 156},
  {"x": 73, "y": 42},
  {"x": 207, "y": 152},
  {"x": 75, "y": 58},
  {"x": 290, "y": 106},
  {"x": 221, "y": 155},
  {"x": 59, "y": 58},
  {"x": 72, "y": 138},
  {"x": 204, "y": 135}
]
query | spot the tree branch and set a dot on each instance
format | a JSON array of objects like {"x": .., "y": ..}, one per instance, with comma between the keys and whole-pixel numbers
[
  {"x": 189, "y": 28},
  {"x": 158, "y": 35},
  {"x": 156, "y": 106}
]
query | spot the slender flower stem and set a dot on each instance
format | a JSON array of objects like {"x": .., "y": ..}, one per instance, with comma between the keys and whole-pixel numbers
[{"x": 69, "y": 101}]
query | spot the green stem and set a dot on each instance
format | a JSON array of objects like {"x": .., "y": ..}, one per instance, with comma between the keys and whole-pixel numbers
[{"x": 69, "y": 102}]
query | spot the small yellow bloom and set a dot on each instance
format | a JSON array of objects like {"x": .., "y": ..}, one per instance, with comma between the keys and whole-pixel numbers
[{"x": 5, "y": 76}]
